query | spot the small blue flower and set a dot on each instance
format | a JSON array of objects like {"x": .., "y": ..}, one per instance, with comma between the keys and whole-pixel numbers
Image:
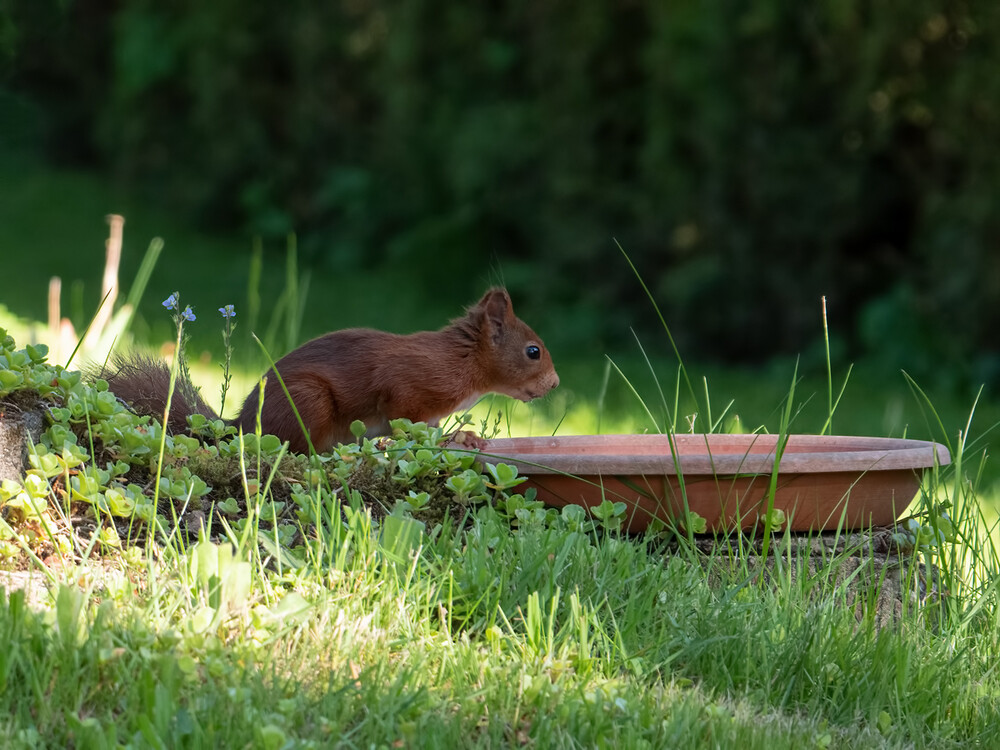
[
  {"x": 171, "y": 302},
  {"x": 228, "y": 311},
  {"x": 188, "y": 314}
]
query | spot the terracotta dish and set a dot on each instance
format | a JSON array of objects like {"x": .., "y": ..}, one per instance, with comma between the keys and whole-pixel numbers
[{"x": 823, "y": 482}]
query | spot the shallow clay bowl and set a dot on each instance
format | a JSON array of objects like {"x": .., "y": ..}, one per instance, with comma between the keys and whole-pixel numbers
[{"x": 824, "y": 482}]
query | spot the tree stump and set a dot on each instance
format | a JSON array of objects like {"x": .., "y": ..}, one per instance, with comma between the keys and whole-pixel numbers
[{"x": 21, "y": 423}]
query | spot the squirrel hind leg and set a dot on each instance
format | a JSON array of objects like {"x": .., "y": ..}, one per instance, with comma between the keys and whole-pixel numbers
[{"x": 316, "y": 405}]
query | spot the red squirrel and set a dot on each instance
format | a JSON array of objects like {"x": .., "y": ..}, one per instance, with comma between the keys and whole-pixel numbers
[{"x": 368, "y": 375}]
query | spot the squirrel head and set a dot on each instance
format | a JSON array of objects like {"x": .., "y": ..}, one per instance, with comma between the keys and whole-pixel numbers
[{"x": 515, "y": 359}]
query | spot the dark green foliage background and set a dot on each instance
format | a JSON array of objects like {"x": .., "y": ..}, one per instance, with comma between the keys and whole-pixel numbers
[{"x": 749, "y": 157}]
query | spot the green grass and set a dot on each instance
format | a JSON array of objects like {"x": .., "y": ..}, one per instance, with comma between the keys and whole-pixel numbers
[{"x": 499, "y": 637}]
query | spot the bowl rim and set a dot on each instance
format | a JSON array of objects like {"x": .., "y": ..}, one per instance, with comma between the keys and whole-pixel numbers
[{"x": 712, "y": 454}]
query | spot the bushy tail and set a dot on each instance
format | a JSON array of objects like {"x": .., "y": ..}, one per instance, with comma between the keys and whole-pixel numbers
[{"x": 143, "y": 382}]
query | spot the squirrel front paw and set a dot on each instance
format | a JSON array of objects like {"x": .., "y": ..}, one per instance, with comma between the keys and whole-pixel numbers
[{"x": 466, "y": 439}]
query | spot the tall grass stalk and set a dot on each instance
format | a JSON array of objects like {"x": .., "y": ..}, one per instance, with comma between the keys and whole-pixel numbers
[
  {"x": 175, "y": 368},
  {"x": 82, "y": 337},
  {"x": 831, "y": 403},
  {"x": 254, "y": 275},
  {"x": 663, "y": 322},
  {"x": 290, "y": 305},
  {"x": 779, "y": 450}
]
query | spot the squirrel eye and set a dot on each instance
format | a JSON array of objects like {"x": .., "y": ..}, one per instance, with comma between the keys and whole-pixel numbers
[{"x": 533, "y": 351}]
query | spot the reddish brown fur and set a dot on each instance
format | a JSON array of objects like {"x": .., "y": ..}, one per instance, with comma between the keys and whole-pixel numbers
[{"x": 376, "y": 376}]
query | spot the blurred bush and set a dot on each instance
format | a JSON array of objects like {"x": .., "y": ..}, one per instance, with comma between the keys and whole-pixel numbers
[{"x": 749, "y": 157}]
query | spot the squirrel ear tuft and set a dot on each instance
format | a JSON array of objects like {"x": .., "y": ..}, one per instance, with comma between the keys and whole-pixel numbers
[
  {"x": 498, "y": 309},
  {"x": 496, "y": 303}
]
